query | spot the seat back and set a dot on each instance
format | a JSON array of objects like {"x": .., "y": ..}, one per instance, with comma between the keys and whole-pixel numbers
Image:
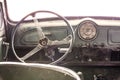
[{"x": 30, "y": 71}]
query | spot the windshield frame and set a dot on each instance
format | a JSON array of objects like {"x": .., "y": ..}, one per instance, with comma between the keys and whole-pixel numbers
[{"x": 68, "y": 17}]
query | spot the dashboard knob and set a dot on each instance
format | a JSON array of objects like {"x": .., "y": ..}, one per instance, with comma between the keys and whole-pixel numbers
[
  {"x": 87, "y": 44},
  {"x": 95, "y": 44}
]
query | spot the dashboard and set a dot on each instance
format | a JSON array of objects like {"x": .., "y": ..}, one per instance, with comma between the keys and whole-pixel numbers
[
  {"x": 89, "y": 32},
  {"x": 95, "y": 39}
]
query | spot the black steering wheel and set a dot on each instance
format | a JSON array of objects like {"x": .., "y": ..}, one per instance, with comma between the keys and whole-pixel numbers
[{"x": 44, "y": 41}]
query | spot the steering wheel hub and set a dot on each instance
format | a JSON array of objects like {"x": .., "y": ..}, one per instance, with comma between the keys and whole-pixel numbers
[{"x": 43, "y": 42}]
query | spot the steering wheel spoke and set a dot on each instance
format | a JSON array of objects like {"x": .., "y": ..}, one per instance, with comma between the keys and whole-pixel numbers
[
  {"x": 32, "y": 52},
  {"x": 38, "y": 27},
  {"x": 66, "y": 40}
]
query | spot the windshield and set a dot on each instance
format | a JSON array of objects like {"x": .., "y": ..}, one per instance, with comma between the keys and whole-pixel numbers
[{"x": 17, "y": 9}]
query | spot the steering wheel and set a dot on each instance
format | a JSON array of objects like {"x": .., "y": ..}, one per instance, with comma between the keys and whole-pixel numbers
[{"x": 44, "y": 41}]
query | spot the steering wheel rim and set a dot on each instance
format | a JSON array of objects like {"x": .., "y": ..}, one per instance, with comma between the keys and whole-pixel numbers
[{"x": 44, "y": 11}]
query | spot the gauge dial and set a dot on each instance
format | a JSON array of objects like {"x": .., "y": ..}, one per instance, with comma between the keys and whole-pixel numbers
[{"x": 87, "y": 30}]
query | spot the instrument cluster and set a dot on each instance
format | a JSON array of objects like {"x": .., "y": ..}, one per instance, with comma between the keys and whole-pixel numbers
[{"x": 87, "y": 30}]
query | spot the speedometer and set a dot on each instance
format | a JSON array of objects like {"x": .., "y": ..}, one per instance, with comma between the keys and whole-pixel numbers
[{"x": 87, "y": 30}]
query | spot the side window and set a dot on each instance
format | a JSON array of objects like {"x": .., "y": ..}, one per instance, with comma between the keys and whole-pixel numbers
[{"x": 2, "y": 29}]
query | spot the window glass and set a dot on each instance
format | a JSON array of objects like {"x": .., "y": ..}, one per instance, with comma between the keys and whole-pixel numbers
[{"x": 19, "y": 8}]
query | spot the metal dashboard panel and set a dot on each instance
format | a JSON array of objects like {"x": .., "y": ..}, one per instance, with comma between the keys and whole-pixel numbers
[
  {"x": 114, "y": 36},
  {"x": 31, "y": 37}
]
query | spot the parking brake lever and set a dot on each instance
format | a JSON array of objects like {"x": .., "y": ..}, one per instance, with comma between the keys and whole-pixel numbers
[{"x": 7, "y": 48}]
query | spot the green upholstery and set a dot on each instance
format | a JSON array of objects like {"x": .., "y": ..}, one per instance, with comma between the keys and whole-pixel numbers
[{"x": 22, "y": 71}]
